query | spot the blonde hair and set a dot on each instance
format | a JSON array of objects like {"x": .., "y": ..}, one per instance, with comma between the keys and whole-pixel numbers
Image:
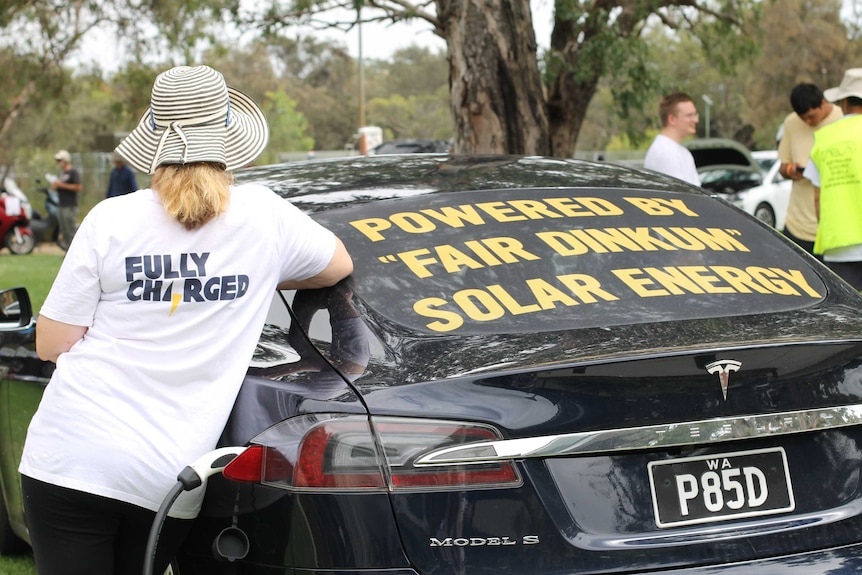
[{"x": 193, "y": 194}]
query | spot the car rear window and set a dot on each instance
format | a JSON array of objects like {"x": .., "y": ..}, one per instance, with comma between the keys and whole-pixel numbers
[{"x": 519, "y": 261}]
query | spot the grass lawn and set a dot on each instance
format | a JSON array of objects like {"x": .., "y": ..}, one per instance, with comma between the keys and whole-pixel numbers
[
  {"x": 35, "y": 272},
  {"x": 17, "y": 565}
]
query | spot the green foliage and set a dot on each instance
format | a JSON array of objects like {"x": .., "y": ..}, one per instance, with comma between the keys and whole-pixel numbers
[
  {"x": 129, "y": 93},
  {"x": 27, "y": 89},
  {"x": 607, "y": 47},
  {"x": 631, "y": 84},
  {"x": 409, "y": 96},
  {"x": 622, "y": 142},
  {"x": 34, "y": 271},
  {"x": 17, "y": 565},
  {"x": 723, "y": 40},
  {"x": 425, "y": 116},
  {"x": 10, "y": 9},
  {"x": 414, "y": 71},
  {"x": 186, "y": 24},
  {"x": 800, "y": 41},
  {"x": 695, "y": 50},
  {"x": 320, "y": 76},
  {"x": 287, "y": 127}
]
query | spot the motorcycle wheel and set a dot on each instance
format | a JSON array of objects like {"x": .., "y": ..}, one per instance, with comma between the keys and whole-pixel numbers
[{"x": 19, "y": 248}]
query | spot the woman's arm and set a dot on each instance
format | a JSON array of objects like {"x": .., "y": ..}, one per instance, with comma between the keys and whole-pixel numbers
[
  {"x": 339, "y": 267},
  {"x": 54, "y": 337}
]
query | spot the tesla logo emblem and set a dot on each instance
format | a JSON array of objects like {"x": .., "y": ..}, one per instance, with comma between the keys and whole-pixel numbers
[{"x": 723, "y": 367}]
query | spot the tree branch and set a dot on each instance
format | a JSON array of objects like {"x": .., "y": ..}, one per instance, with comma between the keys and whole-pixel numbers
[{"x": 406, "y": 11}]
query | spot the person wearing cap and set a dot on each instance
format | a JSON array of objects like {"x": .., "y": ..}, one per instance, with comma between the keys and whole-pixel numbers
[
  {"x": 68, "y": 186},
  {"x": 122, "y": 179},
  {"x": 835, "y": 170},
  {"x": 811, "y": 111},
  {"x": 152, "y": 321}
]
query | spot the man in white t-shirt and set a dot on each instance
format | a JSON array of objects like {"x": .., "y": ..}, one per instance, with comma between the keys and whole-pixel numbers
[{"x": 666, "y": 154}]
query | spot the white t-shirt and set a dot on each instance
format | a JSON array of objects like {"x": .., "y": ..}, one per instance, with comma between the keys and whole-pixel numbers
[
  {"x": 173, "y": 318},
  {"x": 672, "y": 158}
]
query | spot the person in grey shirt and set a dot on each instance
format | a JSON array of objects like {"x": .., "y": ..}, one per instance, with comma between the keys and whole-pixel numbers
[{"x": 68, "y": 186}]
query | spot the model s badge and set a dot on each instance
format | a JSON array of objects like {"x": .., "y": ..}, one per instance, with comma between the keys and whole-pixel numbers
[
  {"x": 723, "y": 367},
  {"x": 484, "y": 541}
]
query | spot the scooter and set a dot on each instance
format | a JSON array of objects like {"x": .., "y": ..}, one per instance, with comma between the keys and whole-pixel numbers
[
  {"x": 15, "y": 213},
  {"x": 46, "y": 227}
]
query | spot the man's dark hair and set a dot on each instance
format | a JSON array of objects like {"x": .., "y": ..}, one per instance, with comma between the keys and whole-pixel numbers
[{"x": 805, "y": 97}]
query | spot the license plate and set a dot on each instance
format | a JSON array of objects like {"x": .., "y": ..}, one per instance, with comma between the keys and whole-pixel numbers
[{"x": 718, "y": 487}]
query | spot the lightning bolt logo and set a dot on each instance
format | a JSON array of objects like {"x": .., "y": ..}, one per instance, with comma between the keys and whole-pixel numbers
[{"x": 175, "y": 302}]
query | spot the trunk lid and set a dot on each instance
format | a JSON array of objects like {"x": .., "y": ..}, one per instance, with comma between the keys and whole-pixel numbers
[{"x": 645, "y": 464}]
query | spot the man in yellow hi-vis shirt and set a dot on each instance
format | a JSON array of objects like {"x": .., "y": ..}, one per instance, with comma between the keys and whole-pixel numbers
[
  {"x": 835, "y": 170},
  {"x": 811, "y": 111}
]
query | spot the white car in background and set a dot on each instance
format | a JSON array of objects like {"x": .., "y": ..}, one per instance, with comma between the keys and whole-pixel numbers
[
  {"x": 748, "y": 180},
  {"x": 769, "y": 200}
]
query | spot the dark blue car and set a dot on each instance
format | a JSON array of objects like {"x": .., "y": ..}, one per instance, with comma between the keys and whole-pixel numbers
[{"x": 538, "y": 367}]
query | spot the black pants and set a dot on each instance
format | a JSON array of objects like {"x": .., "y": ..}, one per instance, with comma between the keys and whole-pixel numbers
[
  {"x": 851, "y": 272},
  {"x": 804, "y": 244},
  {"x": 78, "y": 533}
]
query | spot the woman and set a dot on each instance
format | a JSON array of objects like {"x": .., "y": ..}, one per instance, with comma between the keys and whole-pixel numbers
[{"x": 152, "y": 321}]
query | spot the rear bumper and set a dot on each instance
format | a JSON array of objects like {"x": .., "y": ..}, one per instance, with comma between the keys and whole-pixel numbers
[{"x": 836, "y": 561}]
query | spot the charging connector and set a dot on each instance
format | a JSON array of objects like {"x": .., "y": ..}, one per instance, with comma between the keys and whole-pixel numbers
[{"x": 191, "y": 477}]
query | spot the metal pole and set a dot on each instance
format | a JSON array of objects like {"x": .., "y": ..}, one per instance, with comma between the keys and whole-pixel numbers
[
  {"x": 361, "y": 69},
  {"x": 708, "y": 102}
]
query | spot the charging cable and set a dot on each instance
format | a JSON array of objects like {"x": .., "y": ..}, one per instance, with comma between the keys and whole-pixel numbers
[{"x": 191, "y": 477}]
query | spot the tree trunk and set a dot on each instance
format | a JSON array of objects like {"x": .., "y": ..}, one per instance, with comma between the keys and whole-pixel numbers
[
  {"x": 16, "y": 105},
  {"x": 495, "y": 85},
  {"x": 569, "y": 94},
  {"x": 568, "y": 100}
]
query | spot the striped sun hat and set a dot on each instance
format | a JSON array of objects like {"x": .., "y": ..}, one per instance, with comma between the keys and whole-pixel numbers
[{"x": 195, "y": 117}]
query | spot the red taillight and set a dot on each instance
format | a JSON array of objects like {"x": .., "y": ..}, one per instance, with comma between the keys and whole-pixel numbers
[
  {"x": 500, "y": 475},
  {"x": 247, "y": 466},
  {"x": 405, "y": 440},
  {"x": 342, "y": 453},
  {"x": 258, "y": 464},
  {"x": 339, "y": 456}
]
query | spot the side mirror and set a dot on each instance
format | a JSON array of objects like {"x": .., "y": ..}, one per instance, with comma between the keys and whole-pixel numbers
[{"x": 15, "y": 308}]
